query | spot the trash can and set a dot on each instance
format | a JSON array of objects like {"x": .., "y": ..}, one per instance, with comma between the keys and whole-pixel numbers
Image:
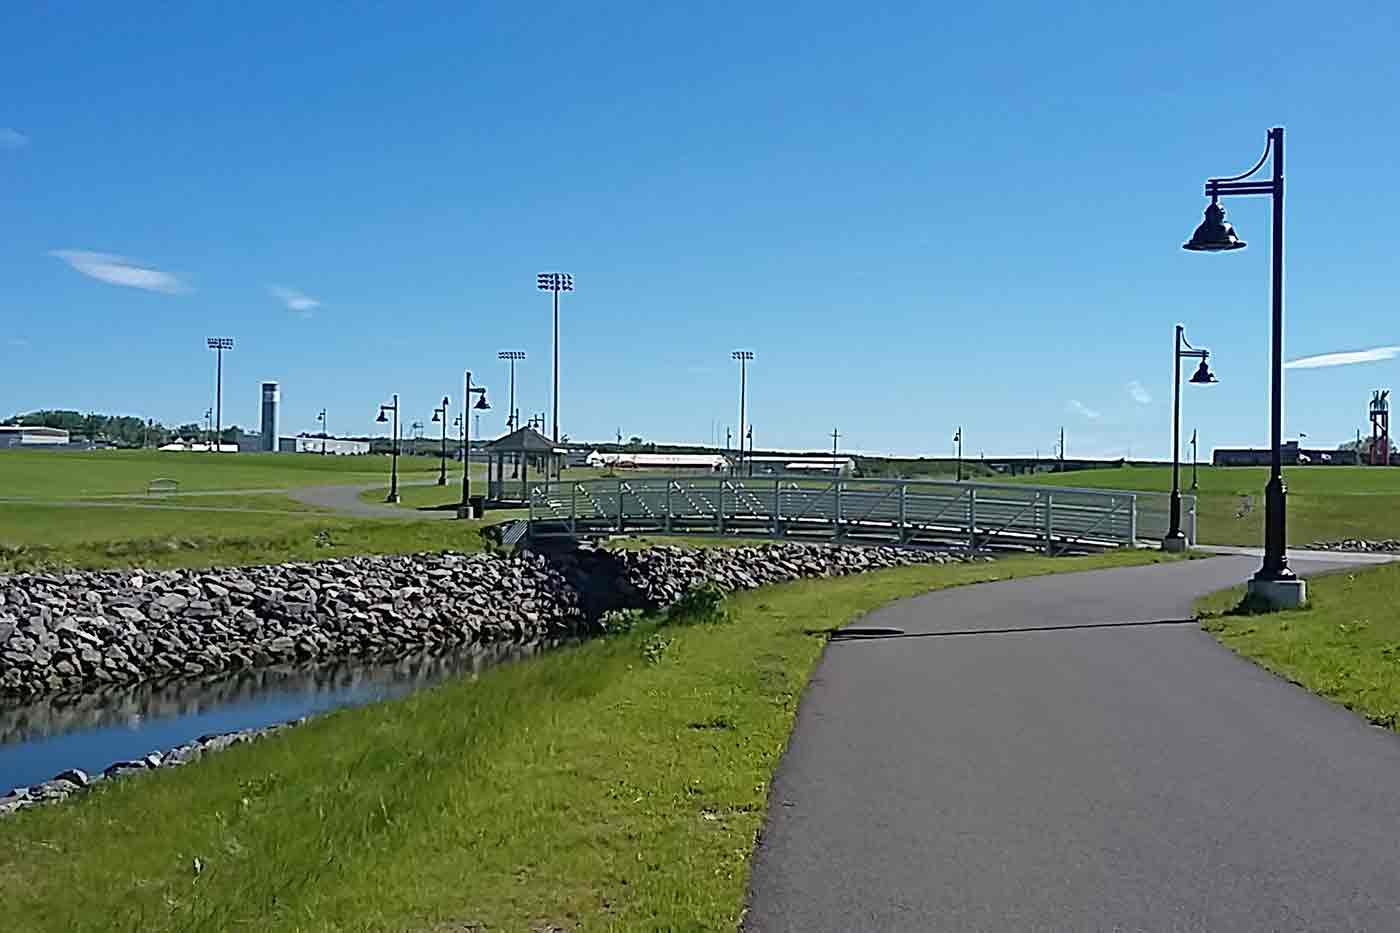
[{"x": 478, "y": 506}]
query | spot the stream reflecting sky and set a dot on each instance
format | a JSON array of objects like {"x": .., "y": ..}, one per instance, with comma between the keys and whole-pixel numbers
[{"x": 92, "y": 730}]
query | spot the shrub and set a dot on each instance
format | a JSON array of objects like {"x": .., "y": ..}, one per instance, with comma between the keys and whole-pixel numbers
[{"x": 699, "y": 605}]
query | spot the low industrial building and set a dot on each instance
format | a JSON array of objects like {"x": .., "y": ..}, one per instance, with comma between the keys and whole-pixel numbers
[
  {"x": 32, "y": 436},
  {"x": 777, "y": 466},
  {"x": 1290, "y": 453},
  {"x": 330, "y": 446},
  {"x": 627, "y": 460}
]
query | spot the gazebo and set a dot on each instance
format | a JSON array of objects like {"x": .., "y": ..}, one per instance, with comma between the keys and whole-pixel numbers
[{"x": 525, "y": 450}]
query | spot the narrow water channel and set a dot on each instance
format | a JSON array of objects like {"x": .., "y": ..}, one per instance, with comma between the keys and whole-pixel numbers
[{"x": 94, "y": 729}]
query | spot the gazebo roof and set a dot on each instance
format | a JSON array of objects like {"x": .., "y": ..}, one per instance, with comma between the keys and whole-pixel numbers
[{"x": 522, "y": 441}]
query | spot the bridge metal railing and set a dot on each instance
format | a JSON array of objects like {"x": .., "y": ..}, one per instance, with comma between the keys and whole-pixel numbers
[{"x": 972, "y": 516}]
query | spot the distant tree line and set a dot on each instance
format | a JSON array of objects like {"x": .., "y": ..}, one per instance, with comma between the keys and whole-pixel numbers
[{"x": 119, "y": 430}]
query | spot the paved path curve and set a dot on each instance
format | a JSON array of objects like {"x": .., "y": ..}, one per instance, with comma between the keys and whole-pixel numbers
[
  {"x": 1069, "y": 753},
  {"x": 346, "y": 501}
]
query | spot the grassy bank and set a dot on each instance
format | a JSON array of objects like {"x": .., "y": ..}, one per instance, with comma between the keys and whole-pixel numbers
[
  {"x": 1345, "y": 646},
  {"x": 34, "y": 537},
  {"x": 616, "y": 785},
  {"x": 55, "y": 474},
  {"x": 1324, "y": 503}
]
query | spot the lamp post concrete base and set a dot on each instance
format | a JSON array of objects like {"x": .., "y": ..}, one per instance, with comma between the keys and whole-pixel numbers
[
  {"x": 1175, "y": 544},
  {"x": 1279, "y": 594},
  {"x": 393, "y": 497}
]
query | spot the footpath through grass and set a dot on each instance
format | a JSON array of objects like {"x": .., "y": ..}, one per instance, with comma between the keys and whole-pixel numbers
[
  {"x": 617, "y": 785},
  {"x": 1345, "y": 646},
  {"x": 1324, "y": 502}
]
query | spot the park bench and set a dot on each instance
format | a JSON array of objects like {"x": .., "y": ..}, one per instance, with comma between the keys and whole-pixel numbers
[{"x": 162, "y": 487}]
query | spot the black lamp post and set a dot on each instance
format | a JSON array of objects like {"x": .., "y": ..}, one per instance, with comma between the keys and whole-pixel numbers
[
  {"x": 440, "y": 414},
  {"x": 958, "y": 438},
  {"x": 393, "y": 495},
  {"x": 322, "y": 418},
  {"x": 1274, "y": 583},
  {"x": 1176, "y": 539},
  {"x": 465, "y": 510}
]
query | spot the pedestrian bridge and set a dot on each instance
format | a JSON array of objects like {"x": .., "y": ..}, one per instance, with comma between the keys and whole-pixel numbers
[{"x": 947, "y": 515}]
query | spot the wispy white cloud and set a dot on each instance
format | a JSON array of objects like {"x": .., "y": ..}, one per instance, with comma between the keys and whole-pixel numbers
[
  {"x": 12, "y": 139},
  {"x": 293, "y": 299},
  {"x": 1139, "y": 393},
  {"x": 1344, "y": 359},
  {"x": 1079, "y": 408},
  {"x": 118, "y": 270}
]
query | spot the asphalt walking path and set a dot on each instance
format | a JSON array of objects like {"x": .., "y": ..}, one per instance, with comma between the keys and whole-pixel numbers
[{"x": 1073, "y": 753}]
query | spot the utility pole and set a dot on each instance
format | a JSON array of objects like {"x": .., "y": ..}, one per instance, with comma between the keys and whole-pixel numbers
[
  {"x": 1062, "y": 448},
  {"x": 835, "y": 436}
]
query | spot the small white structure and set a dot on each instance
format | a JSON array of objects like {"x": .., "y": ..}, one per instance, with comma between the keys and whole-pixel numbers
[{"x": 625, "y": 460}]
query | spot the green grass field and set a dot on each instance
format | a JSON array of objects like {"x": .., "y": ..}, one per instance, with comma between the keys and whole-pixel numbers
[
  {"x": 617, "y": 785},
  {"x": 1344, "y": 646},
  {"x": 47, "y": 474},
  {"x": 1324, "y": 503}
]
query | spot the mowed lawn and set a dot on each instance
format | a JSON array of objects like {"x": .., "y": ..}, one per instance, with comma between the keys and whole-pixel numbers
[
  {"x": 1344, "y": 646},
  {"x": 52, "y": 474},
  {"x": 1324, "y": 503}
]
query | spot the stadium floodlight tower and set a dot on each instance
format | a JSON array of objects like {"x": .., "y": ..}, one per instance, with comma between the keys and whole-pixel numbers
[
  {"x": 555, "y": 282},
  {"x": 744, "y": 357},
  {"x": 514, "y": 356},
  {"x": 219, "y": 345}
]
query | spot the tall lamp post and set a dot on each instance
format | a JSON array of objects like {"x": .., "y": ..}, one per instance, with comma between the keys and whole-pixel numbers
[
  {"x": 440, "y": 414},
  {"x": 393, "y": 495},
  {"x": 958, "y": 438},
  {"x": 219, "y": 345},
  {"x": 208, "y": 427},
  {"x": 468, "y": 390},
  {"x": 555, "y": 282},
  {"x": 1274, "y": 584},
  {"x": 1175, "y": 541},
  {"x": 749, "y": 461},
  {"x": 513, "y": 356},
  {"x": 322, "y": 418},
  {"x": 744, "y": 357}
]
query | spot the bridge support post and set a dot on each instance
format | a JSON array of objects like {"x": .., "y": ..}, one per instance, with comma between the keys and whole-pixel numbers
[
  {"x": 777, "y": 508},
  {"x": 720, "y": 509},
  {"x": 573, "y": 509},
  {"x": 903, "y": 488},
  {"x": 1132, "y": 521},
  {"x": 1050, "y": 523},
  {"x": 972, "y": 521},
  {"x": 836, "y": 485},
  {"x": 669, "y": 483}
]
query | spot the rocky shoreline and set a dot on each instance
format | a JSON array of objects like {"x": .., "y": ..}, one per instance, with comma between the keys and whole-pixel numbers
[
  {"x": 1359, "y": 546},
  {"x": 67, "y": 634}
]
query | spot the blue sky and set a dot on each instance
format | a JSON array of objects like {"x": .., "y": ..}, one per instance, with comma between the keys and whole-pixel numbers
[{"x": 915, "y": 215}]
